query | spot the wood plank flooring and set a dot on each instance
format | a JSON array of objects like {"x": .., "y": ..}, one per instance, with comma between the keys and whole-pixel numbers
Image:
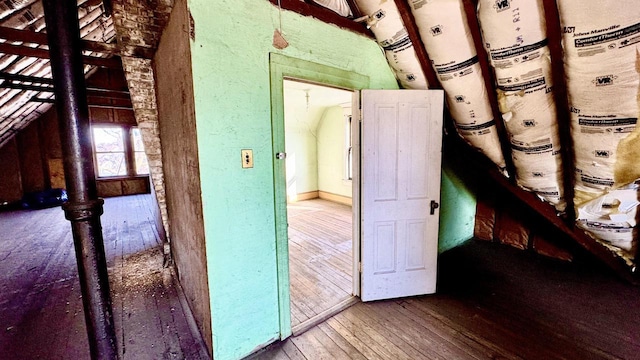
[
  {"x": 493, "y": 302},
  {"x": 320, "y": 256},
  {"x": 41, "y": 314}
]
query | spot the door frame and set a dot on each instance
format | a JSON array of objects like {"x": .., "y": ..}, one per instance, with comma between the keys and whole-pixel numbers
[{"x": 282, "y": 67}]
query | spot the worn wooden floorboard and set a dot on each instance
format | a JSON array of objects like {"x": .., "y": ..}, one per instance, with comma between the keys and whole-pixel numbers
[
  {"x": 320, "y": 260},
  {"x": 41, "y": 314},
  {"x": 493, "y": 302}
]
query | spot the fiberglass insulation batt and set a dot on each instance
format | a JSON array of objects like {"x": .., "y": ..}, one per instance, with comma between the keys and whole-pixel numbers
[
  {"x": 514, "y": 33},
  {"x": 387, "y": 26},
  {"x": 444, "y": 31},
  {"x": 600, "y": 40}
]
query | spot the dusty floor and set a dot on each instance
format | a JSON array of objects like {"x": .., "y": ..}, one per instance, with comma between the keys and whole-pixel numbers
[{"x": 41, "y": 315}]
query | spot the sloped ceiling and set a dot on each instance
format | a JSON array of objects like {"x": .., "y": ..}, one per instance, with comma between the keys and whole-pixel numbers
[
  {"x": 21, "y": 100},
  {"x": 305, "y": 103},
  {"x": 26, "y": 89}
]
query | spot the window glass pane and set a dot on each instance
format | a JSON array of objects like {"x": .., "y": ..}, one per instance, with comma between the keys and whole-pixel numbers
[
  {"x": 108, "y": 139},
  {"x": 111, "y": 164},
  {"x": 136, "y": 138},
  {"x": 142, "y": 166},
  {"x": 350, "y": 165}
]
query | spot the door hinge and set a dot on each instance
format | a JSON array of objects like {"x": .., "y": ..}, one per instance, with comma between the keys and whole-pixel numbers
[{"x": 360, "y": 267}]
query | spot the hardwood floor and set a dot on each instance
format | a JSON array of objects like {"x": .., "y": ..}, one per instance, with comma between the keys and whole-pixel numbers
[
  {"x": 320, "y": 257},
  {"x": 41, "y": 314},
  {"x": 493, "y": 302}
]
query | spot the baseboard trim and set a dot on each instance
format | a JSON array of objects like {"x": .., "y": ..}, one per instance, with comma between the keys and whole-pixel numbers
[
  {"x": 303, "y": 196},
  {"x": 203, "y": 351},
  {"x": 335, "y": 198}
]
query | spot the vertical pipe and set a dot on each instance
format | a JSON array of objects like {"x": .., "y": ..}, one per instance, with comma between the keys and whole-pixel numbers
[{"x": 84, "y": 207}]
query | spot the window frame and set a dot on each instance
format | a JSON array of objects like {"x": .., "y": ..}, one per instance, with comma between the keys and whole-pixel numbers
[
  {"x": 348, "y": 147},
  {"x": 129, "y": 151}
]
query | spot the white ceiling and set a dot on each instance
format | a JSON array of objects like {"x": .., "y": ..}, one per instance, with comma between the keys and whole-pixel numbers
[{"x": 305, "y": 103}]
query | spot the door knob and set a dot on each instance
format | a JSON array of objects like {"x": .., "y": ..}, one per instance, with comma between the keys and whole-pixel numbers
[{"x": 434, "y": 206}]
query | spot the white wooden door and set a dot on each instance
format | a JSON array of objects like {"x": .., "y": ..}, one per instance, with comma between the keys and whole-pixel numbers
[{"x": 400, "y": 180}]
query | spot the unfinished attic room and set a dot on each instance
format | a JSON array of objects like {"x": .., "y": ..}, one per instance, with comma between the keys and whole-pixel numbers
[{"x": 319, "y": 179}]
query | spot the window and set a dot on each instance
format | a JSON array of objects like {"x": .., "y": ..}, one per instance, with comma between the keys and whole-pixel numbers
[
  {"x": 140, "y": 158},
  {"x": 348, "y": 149},
  {"x": 118, "y": 151},
  {"x": 110, "y": 154}
]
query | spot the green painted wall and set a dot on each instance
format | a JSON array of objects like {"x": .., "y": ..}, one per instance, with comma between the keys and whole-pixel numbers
[
  {"x": 331, "y": 156},
  {"x": 302, "y": 161},
  {"x": 457, "y": 210},
  {"x": 301, "y": 149},
  {"x": 230, "y": 58}
]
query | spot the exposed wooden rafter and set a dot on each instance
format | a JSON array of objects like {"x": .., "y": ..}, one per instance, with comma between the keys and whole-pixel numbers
[
  {"x": 95, "y": 92},
  {"x": 470, "y": 7},
  {"x": 418, "y": 46},
  {"x": 323, "y": 14},
  {"x": 111, "y": 63},
  {"x": 354, "y": 8},
  {"x": 564, "y": 223},
  {"x": 49, "y": 81},
  {"x": 91, "y": 105},
  {"x": 40, "y": 38}
]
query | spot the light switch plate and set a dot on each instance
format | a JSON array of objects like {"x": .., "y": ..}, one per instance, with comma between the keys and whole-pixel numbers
[{"x": 247, "y": 158}]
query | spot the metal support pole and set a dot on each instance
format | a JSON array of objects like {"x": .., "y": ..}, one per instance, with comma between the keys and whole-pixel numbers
[{"x": 84, "y": 207}]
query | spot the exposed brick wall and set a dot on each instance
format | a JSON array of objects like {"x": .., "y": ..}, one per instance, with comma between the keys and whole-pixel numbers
[
  {"x": 139, "y": 25},
  {"x": 500, "y": 218},
  {"x": 139, "y": 74}
]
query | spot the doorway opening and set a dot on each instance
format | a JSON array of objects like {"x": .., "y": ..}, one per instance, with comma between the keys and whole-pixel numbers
[{"x": 319, "y": 189}]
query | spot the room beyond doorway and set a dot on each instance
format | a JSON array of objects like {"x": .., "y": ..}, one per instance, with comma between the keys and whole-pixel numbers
[{"x": 319, "y": 172}]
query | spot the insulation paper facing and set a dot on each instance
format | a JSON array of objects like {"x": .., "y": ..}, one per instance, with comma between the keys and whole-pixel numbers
[
  {"x": 387, "y": 26},
  {"x": 513, "y": 30},
  {"x": 515, "y": 39},
  {"x": 529, "y": 113},
  {"x": 445, "y": 32},
  {"x": 601, "y": 41}
]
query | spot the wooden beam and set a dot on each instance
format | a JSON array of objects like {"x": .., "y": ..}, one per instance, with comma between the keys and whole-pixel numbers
[
  {"x": 489, "y": 81},
  {"x": 421, "y": 52},
  {"x": 101, "y": 106},
  {"x": 354, "y": 8},
  {"x": 111, "y": 63},
  {"x": 432, "y": 77},
  {"x": 323, "y": 14},
  {"x": 25, "y": 78},
  {"x": 95, "y": 92},
  {"x": 40, "y": 38},
  {"x": 554, "y": 35},
  {"x": 13, "y": 78}
]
